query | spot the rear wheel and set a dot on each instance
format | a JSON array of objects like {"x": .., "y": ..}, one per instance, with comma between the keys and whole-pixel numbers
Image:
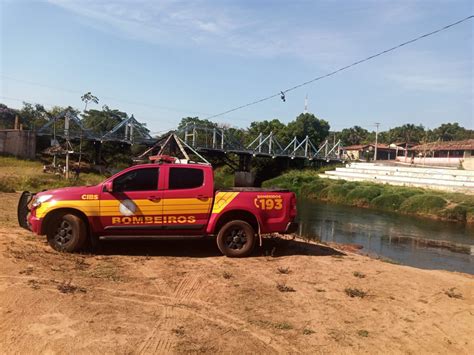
[
  {"x": 236, "y": 239},
  {"x": 67, "y": 232}
]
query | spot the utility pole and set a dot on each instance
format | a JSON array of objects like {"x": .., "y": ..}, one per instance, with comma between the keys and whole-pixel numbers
[
  {"x": 377, "y": 124},
  {"x": 66, "y": 134}
]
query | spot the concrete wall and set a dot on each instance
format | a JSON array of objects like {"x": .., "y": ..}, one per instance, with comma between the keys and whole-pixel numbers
[
  {"x": 21, "y": 144},
  {"x": 451, "y": 162},
  {"x": 468, "y": 162}
]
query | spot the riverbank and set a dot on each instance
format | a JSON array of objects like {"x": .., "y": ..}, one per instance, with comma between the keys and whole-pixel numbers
[
  {"x": 183, "y": 296},
  {"x": 413, "y": 201},
  {"x": 20, "y": 175}
]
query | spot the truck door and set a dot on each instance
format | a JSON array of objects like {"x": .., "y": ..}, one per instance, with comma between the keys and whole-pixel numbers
[
  {"x": 187, "y": 200},
  {"x": 134, "y": 204}
]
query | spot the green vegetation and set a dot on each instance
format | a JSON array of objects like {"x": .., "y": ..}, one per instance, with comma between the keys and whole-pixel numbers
[
  {"x": 19, "y": 175},
  {"x": 417, "y": 201},
  {"x": 223, "y": 177}
]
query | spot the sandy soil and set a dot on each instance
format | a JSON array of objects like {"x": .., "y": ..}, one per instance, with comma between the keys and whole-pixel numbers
[{"x": 179, "y": 297}]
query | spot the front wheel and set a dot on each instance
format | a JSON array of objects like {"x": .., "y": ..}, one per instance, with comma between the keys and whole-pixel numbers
[
  {"x": 67, "y": 233},
  {"x": 236, "y": 239}
]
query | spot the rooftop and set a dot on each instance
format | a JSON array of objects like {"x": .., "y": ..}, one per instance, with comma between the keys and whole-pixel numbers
[{"x": 467, "y": 144}]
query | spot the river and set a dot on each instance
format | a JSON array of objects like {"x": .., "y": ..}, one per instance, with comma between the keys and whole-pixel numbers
[{"x": 418, "y": 242}]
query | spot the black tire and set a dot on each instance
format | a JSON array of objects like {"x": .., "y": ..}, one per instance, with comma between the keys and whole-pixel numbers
[
  {"x": 67, "y": 233},
  {"x": 236, "y": 239}
]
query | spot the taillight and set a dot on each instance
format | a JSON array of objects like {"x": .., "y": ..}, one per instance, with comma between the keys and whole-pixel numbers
[{"x": 293, "y": 206}]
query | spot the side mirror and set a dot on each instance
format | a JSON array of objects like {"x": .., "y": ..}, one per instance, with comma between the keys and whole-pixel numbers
[{"x": 108, "y": 187}]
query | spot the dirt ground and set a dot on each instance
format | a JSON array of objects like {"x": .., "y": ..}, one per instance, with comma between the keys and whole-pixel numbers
[{"x": 184, "y": 297}]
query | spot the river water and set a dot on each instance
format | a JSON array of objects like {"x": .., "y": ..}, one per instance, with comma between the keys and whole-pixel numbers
[{"x": 418, "y": 242}]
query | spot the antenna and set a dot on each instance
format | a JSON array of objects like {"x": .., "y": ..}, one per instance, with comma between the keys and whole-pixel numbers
[{"x": 306, "y": 104}]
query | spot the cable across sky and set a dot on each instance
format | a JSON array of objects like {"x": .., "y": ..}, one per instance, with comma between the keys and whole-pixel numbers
[{"x": 282, "y": 93}]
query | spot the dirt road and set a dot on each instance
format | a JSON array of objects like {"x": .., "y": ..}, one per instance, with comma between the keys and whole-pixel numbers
[{"x": 175, "y": 297}]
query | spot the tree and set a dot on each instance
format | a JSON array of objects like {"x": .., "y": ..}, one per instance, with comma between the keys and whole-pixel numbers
[
  {"x": 265, "y": 127},
  {"x": 451, "y": 132},
  {"x": 408, "y": 133},
  {"x": 354, "y": 135},
  {"x": 33, "y": 116},
  {"x": 88, "y": 97},
  {"x": 307, "y": 124},
  {"x": 7, "y": 117},
  {"x": 197, "y": 121}
]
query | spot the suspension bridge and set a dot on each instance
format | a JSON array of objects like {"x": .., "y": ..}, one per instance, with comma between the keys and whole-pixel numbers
[{"x": 195, "y": 139}]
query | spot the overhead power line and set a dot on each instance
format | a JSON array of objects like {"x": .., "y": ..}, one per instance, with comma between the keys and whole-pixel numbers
[
  {"x": 282, "y": 93},
  {"x": 119, "y": 100}
]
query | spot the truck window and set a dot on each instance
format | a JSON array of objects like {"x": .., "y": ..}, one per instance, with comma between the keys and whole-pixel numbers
[
  {"x": 137, "y": 180},
  {"x": 185, "y": 178}
]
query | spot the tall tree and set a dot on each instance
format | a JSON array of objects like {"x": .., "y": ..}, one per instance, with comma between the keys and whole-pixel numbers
[
  {"x": 88, "y": 97},
  {"x": 265, "y": 127},
  {"x": 197, "y": 121},
  {"x": 307, "y": 124},
  {"x": 451, "y": 132},
  {"x": 7, "y": 117},
  {"x": 354, "y": 135},
  {"x": 408, "y": 133}
]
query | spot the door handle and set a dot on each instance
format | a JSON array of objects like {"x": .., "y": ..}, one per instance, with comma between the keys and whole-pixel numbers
[
  {"x": 154, "y": 198},
  {"x": 202, "y": 197}
]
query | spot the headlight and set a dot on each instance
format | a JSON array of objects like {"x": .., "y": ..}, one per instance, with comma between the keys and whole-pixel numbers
[{"x": 37, "y": 201}]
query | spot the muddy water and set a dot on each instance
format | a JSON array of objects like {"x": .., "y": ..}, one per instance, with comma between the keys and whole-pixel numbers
[{"x": 406, "y": 240}]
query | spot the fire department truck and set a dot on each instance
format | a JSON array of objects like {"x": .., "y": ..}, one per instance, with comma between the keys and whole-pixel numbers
[{"x": 159, "y": 200}]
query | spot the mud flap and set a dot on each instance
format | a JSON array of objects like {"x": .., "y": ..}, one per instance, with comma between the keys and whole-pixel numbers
[{"x": 23, "y": 209}]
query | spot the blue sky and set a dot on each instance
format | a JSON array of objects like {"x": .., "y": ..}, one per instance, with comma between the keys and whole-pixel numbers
[{"x": 163, "y": 60}]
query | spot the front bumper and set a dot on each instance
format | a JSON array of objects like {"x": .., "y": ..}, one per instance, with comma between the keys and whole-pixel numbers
[
  {"x": 23, "y": 209},
  {"x": 292, "y": 227}
]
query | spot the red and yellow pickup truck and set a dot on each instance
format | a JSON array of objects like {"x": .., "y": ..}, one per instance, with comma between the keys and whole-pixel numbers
[{"x": 165, "y": 200}]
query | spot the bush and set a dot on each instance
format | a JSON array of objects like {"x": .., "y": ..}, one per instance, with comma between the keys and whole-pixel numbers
[
  {"x": 456, "y": 213},
  {"x": 6, "y": 184},
  {"x": 424, "y": 203},
  {"x": 314, "y": 189},
  {"x": 388, "y": 201},
  {"x": 337, "y": 193},
  {"x": 363, "y": 195}
]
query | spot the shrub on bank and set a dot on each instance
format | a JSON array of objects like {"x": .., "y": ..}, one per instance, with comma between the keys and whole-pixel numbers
[
  {"x": 425, "y": 203},
  {"x": 388, "y": 201},
  {"x": 363, "y": 195}
]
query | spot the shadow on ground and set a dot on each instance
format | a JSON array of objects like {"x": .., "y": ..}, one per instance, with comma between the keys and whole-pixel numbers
[{"x": 206, "y": 247}]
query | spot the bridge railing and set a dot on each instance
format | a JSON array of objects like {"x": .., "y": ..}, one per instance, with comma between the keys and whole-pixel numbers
[{"x": 214, "y": 138}]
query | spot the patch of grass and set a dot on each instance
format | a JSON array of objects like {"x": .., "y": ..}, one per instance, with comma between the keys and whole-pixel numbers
[
  {"x": 427, "y": 203},
  {"x": 283, "y": 326},
  {"x": 106, "y": 271},
  {"x": 282, "y": 287},
  {"x": 307, "y": 331},
  {"x": 19, "y": 175},
  {"x": 226, "y": 275},
  {"x": 358, "y": 274},
  {"x": 68, "y": 287},
  {"x": 363, "y": 333},
  {"x": 284, "y": 270},
  {"x": 363, "y": 195},
  {"x": 452, "y": 293},
  {"x": 388, "y": 201},
  {"x": 355, "y": 292}
]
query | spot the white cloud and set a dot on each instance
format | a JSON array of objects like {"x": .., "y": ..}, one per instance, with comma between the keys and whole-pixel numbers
[{"x": 218, "y": 26}]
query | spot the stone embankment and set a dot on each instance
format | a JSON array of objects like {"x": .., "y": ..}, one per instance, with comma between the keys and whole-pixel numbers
[{"x": 453, "y": 180}]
